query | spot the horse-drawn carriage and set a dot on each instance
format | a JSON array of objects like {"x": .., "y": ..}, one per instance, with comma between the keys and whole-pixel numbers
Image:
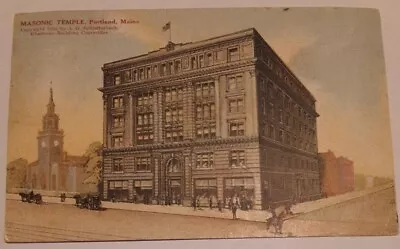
[
  {"x": 88, "y": 201},
  {"x": 31, "y": 197}
]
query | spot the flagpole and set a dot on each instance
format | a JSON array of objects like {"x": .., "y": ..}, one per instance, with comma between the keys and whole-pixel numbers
[{"x": 170, "y": 27}]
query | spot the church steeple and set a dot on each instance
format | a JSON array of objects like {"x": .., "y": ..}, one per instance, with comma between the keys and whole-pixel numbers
[
  {"x": 51, "y": 106},
  {"x": 50, "y": 119}
]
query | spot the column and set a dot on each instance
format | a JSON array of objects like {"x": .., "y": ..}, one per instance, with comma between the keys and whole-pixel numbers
[
  {"x": 105, "y": 114},
  {"x": 156, "y": 177},
  {"x": 105, "y": 188},
  {"x": 217, "y": 107},
  {"x": 220, "y": 189},
  {"x": 257, "y": 192},
  {"x": 187, "y": 177},
  {"x": 250, "y": 104},
  {"x": 158, "y": 115},
  {"x": 129, "y": 123},
  {"x": 221, "y": 119},
  {"x": 188, "y": 111},
  {"x": 130, "y": 189}
]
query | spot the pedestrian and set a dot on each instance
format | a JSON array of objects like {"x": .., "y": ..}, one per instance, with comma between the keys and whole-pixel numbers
[
  {"x": 194, "y": 204},
  {"x": 198, "y": 203},
  {"x": 211, "y": 203},
  {"x": 220, "y": 205},
  {"x": 234, "y": 209}
]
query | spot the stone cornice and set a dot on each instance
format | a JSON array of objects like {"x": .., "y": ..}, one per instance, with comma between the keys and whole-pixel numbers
[{"x": 187, "y": 145}]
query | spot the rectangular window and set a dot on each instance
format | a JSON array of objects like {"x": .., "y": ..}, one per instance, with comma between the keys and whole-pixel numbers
[
  {"x": 149, "y": 72},
  {"x": 236, "y": 105},
  {"x": 135, "y": 75},
  {"x": 118, "y": 102},
  {"x": 201, "y": 61},
  {"x": 193, "y": 64},
  {"x": 163, "y": 69},
  {"x": 143, "y": 164},
  {"x": 236, "y": 128},
  {"x": 117, "y": 165},
  {"x": 235, "y": 83},
  {"x": 118, "y": 121},
  {"x": 205, "y": 160},
  {"x": 155, "y": 70},
  {"x": 117, "y": 80},
  {"x": 117, "y": 141},
  {"x": 127, "y": 76},
  {"x": 178, "y": 67},
  {"x": 233, "y": 54},
  {"x": 209, "y": 59},
  {"x": 237, "y": 159},
  {"x": 141, "y": 74}
]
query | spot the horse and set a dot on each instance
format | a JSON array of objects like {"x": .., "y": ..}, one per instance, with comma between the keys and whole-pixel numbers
[{"x": 276, "y": 222}]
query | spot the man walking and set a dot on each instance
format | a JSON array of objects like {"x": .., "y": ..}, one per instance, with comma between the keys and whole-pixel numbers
[
  {"x": 234, "y": 209},
  {"x": 211, "y": 203}
]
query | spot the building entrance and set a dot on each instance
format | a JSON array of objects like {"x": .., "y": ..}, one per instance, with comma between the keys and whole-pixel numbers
[{"x": 174, "y": 188}]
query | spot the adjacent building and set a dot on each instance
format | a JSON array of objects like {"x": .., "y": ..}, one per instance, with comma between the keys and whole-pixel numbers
[
  {"x": 338, "y": 174},
  {"x": 55, "y": 170},
  {"x": 219, "y": 118}
]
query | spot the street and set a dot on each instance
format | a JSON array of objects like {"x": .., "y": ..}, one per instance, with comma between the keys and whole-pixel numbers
[{"x": 372, "y": 214}]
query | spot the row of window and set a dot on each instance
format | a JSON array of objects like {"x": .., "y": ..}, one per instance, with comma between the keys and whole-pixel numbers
[
  {"x": 285, "y": 137},
  {"x": 273, "y": 160},
  {"x": 204, "y": 160},
  {"x": 176, "y": 66},
  {"x": 273, "y": 92},
  {"x": 283, "y": 75}
]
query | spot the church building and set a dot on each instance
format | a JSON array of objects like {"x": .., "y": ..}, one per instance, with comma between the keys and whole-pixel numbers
[{"x": 55, "y": 170}]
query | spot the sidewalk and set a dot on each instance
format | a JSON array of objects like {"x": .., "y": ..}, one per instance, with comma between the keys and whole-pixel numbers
[{"x": 252, "y": 215}]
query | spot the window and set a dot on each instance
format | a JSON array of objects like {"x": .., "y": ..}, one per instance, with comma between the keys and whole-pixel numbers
[
  {"x": 141, "y": 74},
  {"x": 164, "y": 69},
  {"x": 155, "y": 70},
  {"x": 220, "y": 55},
  {"x": 118, "y": 102},
  {"x": 117, "y": 80},
  {"x": 143, "y": 164},
  {"x": 233, "y": 54},
  {"x": 206, "y": 130},
  {"x": 178, "y": 66},
  {"x": 280, "y": 136},
  {"x": 209, "y": 59},
  {"x": 235, "y": 83},
  {"x": 127, "y": 75},
  {"x": 236, "y": 159},
  {"x": 205, "y": 160},
  {"x": 149, "y": 72},
  {"x": 271, "y": 132},
  {"x": 135, "y": 75},
  {"x": 236, "y": 105},
  {"x": 118, "y": 121},
  {"x": 201, "y": 61},
  {"x": 117, "y": 165},
  {"x": 236, "y": 128},
  {"x": 146, "y": 99},
  {"x": 174, "y": 115},
  {"x": 117, "y": 141},
  {"x": 205, "y": 90},
  {"x": 193, "y": 63},
  {"x": 173, "y": 94},
  {"x": 145, "y": 119}
]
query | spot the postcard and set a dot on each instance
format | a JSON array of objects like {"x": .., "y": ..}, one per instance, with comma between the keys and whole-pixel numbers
[{"x": 198, "y": 124}]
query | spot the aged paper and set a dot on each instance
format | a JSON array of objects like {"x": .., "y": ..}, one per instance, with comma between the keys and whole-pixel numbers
[{"x": 148, "y": 124}]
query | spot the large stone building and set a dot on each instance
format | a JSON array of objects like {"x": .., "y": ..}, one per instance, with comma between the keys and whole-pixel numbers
[
  {"x": 55, "y": 170},
  {"x": 216, "y": 118},
  {"x": 337, "y": 175}
]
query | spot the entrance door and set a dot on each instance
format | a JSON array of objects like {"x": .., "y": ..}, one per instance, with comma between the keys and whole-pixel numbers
[{"x": 174, "y": 187}]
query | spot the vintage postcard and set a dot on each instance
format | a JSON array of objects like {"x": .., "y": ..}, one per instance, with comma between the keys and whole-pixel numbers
[{"x": 198, "y": 123}]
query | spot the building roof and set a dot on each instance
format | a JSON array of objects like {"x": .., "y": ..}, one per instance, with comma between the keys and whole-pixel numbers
[{"x": 180, "y": 47}]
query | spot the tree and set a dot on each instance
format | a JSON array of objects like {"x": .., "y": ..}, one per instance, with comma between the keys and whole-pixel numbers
[
  {"x": 16, "y": 173},
  {"x": 94, "y": 164}
]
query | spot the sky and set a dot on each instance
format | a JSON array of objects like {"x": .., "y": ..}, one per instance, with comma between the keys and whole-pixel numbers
[{"x": 337, "y": 53}]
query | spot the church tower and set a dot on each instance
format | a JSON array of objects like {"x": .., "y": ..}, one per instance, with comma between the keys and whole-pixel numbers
[{"x": 50, "y": 148}]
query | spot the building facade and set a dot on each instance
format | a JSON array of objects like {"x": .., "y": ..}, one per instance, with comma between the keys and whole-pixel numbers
[
  {"x": 218, "y": 118},
  {"x": 338, "y": 174},
  {"x": 55, "y": 170}
]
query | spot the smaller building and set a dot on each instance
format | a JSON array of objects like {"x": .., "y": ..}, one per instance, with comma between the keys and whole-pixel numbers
[
  {"x": 55, "y": 170},
  {"x": 337, "y": 174}
]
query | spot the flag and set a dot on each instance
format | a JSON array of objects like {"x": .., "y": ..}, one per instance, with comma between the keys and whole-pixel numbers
[{"x": 167, "y": 26}]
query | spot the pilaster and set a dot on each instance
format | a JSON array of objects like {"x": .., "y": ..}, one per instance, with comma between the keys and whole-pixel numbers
[
  {"x": 217, "y": 107},
  {"x": 188, "y": 111}
]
